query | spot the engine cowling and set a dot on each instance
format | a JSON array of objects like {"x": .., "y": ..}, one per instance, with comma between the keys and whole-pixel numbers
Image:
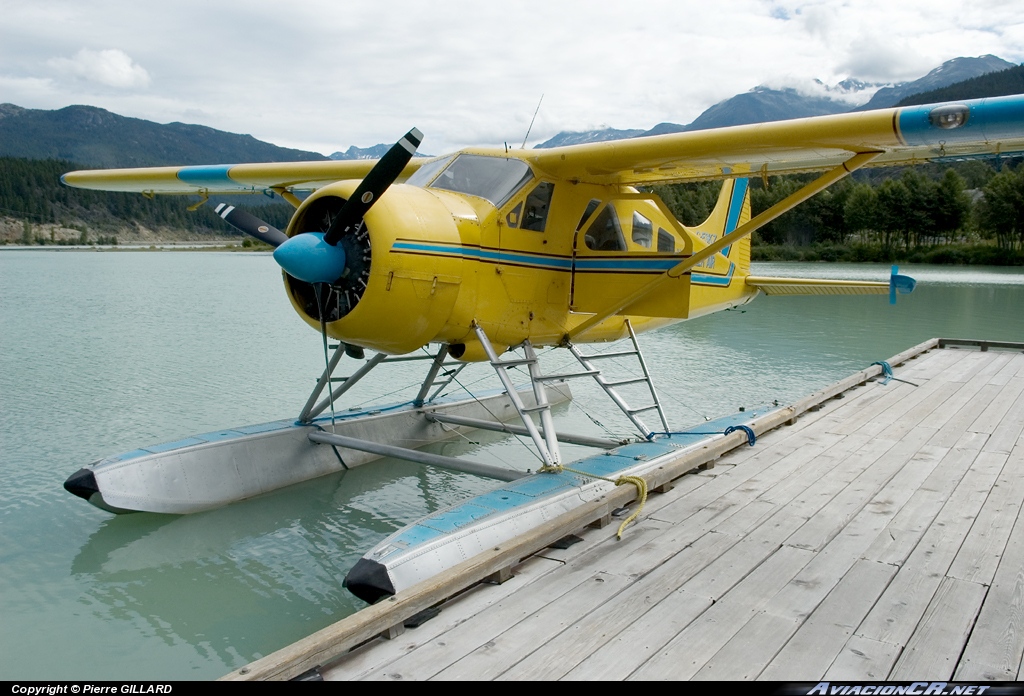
[{"x": 386, "y": 301}]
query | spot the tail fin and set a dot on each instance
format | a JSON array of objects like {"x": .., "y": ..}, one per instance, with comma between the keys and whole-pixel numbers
[{"x": 731, "y": 211}]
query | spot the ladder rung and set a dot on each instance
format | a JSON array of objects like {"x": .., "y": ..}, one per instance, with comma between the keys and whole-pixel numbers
[
  {"x": 339, "y": 379},
  {"x": 641, "y": 410},
  {"x": 514, "y": 363},
  {"x": 568, "y": 375},
  {"x": 620, "y": 354},
  {"x": 625, "y": 381},
  {"x": 536, "y": 409}
]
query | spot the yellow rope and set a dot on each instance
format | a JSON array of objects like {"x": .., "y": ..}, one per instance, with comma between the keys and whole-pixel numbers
[
  {"x": 638, "y": 481},
  {"x": 641, "y": 489}
]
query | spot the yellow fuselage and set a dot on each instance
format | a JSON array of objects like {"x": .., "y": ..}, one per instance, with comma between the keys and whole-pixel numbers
[{"x": 441, "y": 260}]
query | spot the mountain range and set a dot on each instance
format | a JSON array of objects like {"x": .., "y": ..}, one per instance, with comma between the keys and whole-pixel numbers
[
  {"x": 94, "y": 137},
  {"x": 763, "y": 104}
]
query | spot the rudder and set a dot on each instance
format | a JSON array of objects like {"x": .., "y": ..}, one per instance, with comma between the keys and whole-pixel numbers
[{"x": 731, "y": 210}]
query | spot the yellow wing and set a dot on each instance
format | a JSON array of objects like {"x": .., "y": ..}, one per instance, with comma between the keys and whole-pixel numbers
[
  {"x": 228, "y": 178},
  {"x": 908, "y": 135}
]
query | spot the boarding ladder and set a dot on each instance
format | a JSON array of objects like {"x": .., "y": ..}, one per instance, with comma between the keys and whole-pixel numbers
[
  {"x": 587, "y": 361},
  {"x": 546, "y": 444}
]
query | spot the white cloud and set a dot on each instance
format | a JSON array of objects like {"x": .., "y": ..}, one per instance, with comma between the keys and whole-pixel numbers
[
  {"x": 326, "y": 75},
  {"x": 112, "y": 67}
]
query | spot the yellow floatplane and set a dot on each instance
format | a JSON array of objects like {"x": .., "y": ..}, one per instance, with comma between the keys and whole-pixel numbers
[{"x": 490, "y": 249}]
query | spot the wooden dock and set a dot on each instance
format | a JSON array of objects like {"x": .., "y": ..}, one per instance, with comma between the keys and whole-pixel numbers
[{"x": 876, "y": 537}]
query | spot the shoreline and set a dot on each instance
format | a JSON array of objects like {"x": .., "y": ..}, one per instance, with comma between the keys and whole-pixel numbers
[{"x": 156, "y": 246}]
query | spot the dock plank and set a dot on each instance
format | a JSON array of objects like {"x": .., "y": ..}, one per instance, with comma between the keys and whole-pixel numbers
[
  {"x": 498, "y": 654},
  {"x": 430, "y": 658},
  {"x": 1010, "y": 429},
  {"x": 830, "y": 520},
  {"x": 688, "y": 651},
  {"x": 898, "y": 611},
  {"x": 996, "y": 645},
  {"x": 749, "y": 650},
  {"x": 378, "y": 652},
  {"x": 622, "y": 655},
  {"x": 564, "y": 652},
  {"x": 983, "y": 548},
  {"x": 938, "y": 642},
  {"x": 812, "y": 649},
  {"x": 863, "y": 659},
  {"x": 901, "y": 536},
  {"x": 992, "y": 416}
]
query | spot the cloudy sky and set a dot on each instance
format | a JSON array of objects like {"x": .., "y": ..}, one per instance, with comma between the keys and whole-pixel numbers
[{"x": 323, "y": 75}]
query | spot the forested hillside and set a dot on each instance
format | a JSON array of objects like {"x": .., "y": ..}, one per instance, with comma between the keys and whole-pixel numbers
[
  {"x": 969, "y": 212},
  {"x": 48, "y": 212}
]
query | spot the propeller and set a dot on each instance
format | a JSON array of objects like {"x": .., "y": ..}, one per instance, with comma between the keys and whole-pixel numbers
[
  {"x": 251, "y": 225},
  {"x": 316, "y": 257}
]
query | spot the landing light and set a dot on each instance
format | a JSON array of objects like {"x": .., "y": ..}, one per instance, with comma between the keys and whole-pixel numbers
[{"x": 949, "y": 117}]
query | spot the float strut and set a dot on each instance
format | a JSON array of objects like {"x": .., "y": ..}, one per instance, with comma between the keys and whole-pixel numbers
[{"x": 438, "y": 460}]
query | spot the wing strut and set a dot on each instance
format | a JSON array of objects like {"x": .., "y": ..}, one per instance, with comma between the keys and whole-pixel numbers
[{"x": 796, "y": 198}]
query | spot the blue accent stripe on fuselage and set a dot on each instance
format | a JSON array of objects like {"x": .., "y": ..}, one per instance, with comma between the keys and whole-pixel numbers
[
  {"x": 705, "y": 279},
  {"x": 616, "y": 264}
]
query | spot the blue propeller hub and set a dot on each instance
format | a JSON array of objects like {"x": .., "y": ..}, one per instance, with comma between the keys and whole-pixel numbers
[{"x": 308, "y": 257}]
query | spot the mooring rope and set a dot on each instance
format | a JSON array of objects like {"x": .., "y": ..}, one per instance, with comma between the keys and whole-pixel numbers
[
  {"x": 638, "y": 481},
  {"x": 888, "y": 374}
]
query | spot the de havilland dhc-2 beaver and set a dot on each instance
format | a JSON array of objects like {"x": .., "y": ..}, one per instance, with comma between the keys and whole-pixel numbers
[{"x": 475, "y": 254}]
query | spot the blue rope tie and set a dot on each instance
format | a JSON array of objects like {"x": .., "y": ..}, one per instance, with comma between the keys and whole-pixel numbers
[
  {"x": 751, "y": 437},
  {"x": 886, "y": 371}
]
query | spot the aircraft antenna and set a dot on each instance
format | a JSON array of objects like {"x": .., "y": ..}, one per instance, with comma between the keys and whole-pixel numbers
[{"x": 531, "y": 122}]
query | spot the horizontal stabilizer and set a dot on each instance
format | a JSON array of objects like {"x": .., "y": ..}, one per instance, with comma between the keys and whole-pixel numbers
[{"x": 816, "y": 286}]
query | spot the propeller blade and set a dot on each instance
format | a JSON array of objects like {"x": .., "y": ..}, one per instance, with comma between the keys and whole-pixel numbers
[
  {"x": 251, "y": 225},
  {"x": 374, "y": 185}
]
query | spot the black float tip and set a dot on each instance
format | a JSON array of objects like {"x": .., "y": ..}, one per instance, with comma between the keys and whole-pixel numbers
[
  {"x": 369, "y": 581},
  {"x": 82, "y": 483}
]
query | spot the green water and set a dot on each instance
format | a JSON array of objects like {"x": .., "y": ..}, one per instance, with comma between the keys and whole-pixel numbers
[{"x": 103, "y": 352}]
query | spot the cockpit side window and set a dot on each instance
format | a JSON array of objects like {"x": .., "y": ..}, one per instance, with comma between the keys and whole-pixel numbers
[
  {"x": 495, "y": 179},
  {"x": 605, "y": 234},
  {"x": 537, "y": 205}
]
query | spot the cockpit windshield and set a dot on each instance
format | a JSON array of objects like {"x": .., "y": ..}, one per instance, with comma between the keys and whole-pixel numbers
[
  {"x": 494, "y": 178},
  {"x": 427, "y": 171}
]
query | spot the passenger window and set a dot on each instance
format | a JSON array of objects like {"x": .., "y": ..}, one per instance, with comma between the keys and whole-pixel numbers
[
  {"x": 537, "y": 205},
  {"x": 643, "y": 232},
  {"x": 591, "y": 207},
  {"x": 605, "y": 234},
  {"x": 666, "y": 242}
]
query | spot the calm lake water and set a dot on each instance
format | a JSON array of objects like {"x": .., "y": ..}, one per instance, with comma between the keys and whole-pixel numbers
[{"x": 104, "y": 352}]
